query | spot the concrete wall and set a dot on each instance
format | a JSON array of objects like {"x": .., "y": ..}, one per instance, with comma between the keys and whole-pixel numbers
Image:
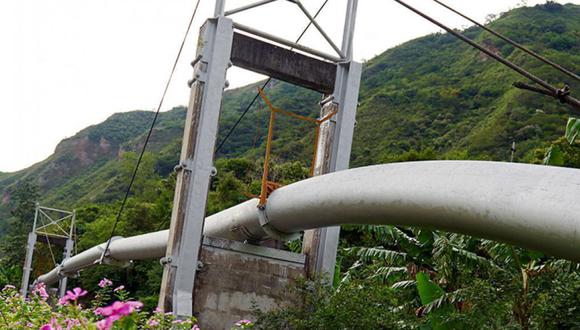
[{"x": 234, "y": 277}]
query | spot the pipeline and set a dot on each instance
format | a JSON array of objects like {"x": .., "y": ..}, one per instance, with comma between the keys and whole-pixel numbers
[{"x": 532, "y": 206}]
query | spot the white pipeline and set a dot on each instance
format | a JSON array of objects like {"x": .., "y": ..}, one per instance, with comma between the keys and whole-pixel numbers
[{"x": 532, "y": 206}]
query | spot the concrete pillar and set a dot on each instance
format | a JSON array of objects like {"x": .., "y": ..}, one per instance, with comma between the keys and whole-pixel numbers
[
  {"x": 334, "y": 148},
  {"x": 196, "y": 166}
]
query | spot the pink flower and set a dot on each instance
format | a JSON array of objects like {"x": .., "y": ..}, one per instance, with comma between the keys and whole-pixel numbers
[
  {"x": 71, "y": 323},
  {"x": 195, "y": 327},
  {"x": 114, "y": 312},
  {"x": 243, "y": 322},
  {"x": 73, "y": 295},
  {"x": 40, "y": 290},
  {"x": 119, "y": 288},
  {"x": 152, "y": 322},
  {"x": 105, "y": 282},
  {"x": 53, "y": 325},
  {"x": 119, "y": 308},
  {"x": 105, "y": 324}
]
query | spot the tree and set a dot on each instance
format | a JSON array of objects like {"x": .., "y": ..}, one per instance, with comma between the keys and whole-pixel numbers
[{"x": 24, "y": 199}]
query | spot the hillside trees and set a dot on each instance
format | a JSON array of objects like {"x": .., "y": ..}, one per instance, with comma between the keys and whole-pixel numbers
[{"x": 12, "y": 245}]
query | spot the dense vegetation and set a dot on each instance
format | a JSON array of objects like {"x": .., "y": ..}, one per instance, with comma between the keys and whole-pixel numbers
[{"x": 430, "y": 98}]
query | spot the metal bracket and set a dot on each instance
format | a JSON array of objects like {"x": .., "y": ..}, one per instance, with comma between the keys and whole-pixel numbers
[
  {"x": 213, "y": 172},
  {"x": 328, "y": 99},
  {"x": 270, "y": 230},
  {"x": 185, "y": 166},
  {"x": 196, "y": 60},
  {"x": 198, "y": 75},
  {"x": 167, "y": 261}
]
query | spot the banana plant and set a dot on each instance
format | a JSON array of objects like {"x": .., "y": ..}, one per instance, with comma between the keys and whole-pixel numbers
[{"x": 572, "y": 129}]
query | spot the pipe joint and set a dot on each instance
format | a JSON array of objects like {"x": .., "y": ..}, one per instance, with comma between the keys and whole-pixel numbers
[{"x": 270, "y": 230}]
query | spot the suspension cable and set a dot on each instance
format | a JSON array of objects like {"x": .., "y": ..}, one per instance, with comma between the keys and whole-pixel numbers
[
  {"x": 515, "y": 44},
  {"x": 136, "y": 169},
  {"x": 245, "y": 112},
  {"x": 560, "y": 94}
]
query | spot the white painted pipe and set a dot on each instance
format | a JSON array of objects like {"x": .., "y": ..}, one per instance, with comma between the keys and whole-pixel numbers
[{"x": 536, "y": 207}]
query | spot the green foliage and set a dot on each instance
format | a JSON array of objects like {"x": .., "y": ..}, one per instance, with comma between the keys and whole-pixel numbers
[
  {"x": 561, "y": 153},
  {"x": 455, "y": 281},
  {"x": 359, "y": 305},
  {"x": 24, "y": 199},
  {"x": 572, "y": 129},
  {"x": 428, "y": 291}
]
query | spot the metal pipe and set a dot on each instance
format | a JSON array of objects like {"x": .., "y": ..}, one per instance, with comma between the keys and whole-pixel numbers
[
  {"x": 250, "y": 6},
  {"x": 56, "y": 210},
  {"x": 320, "y": 29},
  {"x": 348, "y": 32},
  {"x": 220, "y": 6},
  {"x": 532, "y": 206},
  {"x": 287, "y": 43}
]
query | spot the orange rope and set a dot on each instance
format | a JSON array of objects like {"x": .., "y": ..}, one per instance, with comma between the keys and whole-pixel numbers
[
  {"x": 264, "y": 192},
  {"x": 273, "y": 110}
]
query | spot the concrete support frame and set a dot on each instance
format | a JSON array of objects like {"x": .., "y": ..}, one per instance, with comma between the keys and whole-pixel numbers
[
  {"x": 56, "y": 232},
  {"x": 334, "y": 147},
  {"x": 196, "y": 165},
  {"x": 218, "y": 46}
]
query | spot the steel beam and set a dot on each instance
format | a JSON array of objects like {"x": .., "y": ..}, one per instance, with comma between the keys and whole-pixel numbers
[
  {"x": 285, "y": 42},
  {"x": 196, "y": 162},
  {"x": 68, "y": 250},
  {"x": 250, "y": 6},
  {"x": 28, "y": 264},
  {"x": 220, "y": 7},
  {"x": 349, "y": 25},
  {"x": 283, "y": 64},
  {"x": 320, "y": 29},
  {"x": 27, "y": 269}
]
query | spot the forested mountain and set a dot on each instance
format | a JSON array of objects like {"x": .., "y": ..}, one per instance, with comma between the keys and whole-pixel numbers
[{"x": 429, "y": 98}]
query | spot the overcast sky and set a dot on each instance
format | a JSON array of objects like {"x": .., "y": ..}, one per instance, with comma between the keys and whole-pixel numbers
[{"x": 68, "y": 64}]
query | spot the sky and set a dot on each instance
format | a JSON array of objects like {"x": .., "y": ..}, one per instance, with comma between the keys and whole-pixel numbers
[{"x": 68, "y": 64}]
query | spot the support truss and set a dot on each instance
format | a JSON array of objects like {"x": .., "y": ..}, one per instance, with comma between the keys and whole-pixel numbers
[
  {"x": 54, "y": 227},
  {"x": 342, "y": 55}
]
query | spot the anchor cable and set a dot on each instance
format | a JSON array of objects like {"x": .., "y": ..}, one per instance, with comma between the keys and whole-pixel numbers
[
  {"x": 136, "y": 169},
  {"x": 513, "y": 43},
  {"x": 562, "y": 95}
]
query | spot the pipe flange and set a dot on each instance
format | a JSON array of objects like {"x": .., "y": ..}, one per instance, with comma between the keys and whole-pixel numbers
[{"x": 271, "y": 231}]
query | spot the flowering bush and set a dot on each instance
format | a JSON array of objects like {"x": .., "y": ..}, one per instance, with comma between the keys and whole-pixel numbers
[
  {"x": 39, "y": 311},
  {"x": 243, "y": 325}
]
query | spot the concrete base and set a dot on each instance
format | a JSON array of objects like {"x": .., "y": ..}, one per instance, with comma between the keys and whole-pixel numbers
[{"x": 235, "y": 278}]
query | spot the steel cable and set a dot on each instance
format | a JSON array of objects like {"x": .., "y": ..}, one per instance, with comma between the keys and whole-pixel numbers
[{"x": 136, "y": 169}]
